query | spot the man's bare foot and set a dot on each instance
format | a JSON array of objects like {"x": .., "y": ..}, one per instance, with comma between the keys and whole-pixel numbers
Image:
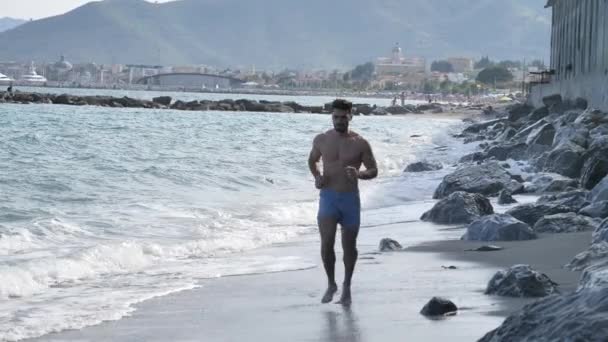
[
  {"x": 345, "y": 299},
  {"x": 329, "y": 294}
]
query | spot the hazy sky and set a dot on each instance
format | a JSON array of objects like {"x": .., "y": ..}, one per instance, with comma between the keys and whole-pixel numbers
[{"x": 36, "y": 9}]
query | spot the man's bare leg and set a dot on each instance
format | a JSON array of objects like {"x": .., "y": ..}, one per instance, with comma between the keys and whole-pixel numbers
[
  {"x": 349, "y": 245},
  {"x": 327, "y": 228}
]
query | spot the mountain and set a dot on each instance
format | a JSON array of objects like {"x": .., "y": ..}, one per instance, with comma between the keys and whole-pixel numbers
[
  {"x": 280, "y": 33},
  {"x": 9, "y": 23}
]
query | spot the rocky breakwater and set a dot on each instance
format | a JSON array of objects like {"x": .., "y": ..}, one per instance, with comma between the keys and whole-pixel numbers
[
  {"x": 561, "y": 154},
  {"x": 242, "y": 105}
]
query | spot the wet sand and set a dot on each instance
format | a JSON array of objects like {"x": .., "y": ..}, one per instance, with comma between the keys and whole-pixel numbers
[{"x": 389, "y": 290}]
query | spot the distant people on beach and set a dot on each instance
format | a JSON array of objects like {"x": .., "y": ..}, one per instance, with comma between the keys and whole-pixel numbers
[
  {"x": 394, "y": 101},
  {"x": 402, "y": 98},
  {"x": 10, "y": 89}
]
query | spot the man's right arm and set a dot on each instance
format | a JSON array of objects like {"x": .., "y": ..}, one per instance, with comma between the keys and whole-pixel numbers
[{"x": 315, "y": 157}]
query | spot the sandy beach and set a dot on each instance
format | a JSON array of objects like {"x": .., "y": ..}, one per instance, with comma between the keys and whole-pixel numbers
[{"x": 388, "y": 291}]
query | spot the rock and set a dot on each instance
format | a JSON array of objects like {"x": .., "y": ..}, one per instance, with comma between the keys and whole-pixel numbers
[
  {"x": 542, "y": 135},
  {"x": 597, "y": 209},
  {"x": 597, "y": 252},
  {"x": 486, "y": 179},
  {"x": 518, "y": 111},
  {"x": 595, "y": 167},
  {"x": 581, "y": 103},
  {"x": 379, "y": 111},
  {"x": 507, "y": 134},
  {"x": 521, "y": 281},
  {"x": 63, "y": 99},
  {"x": 363, "y": 109},
  {"x": 398, "y": 110},
  {"x": 163, "y": 100},
  {"x": 473, "y": 157},
  {"x": 565, "y": 223},
  {"x": 498, "y": 227},
  {"x": 592, "y": 118},
  {"x": 439, "y": 307},
  {"x": 449, "y": 267},
  {"x": 601, "y": 233},
  {"x": 423, "y": 166},
  {"x": 552, "y": 100},
  {"x": 487, "y": 248},
  {"x": 388, "y": 245},
  {"x": 598, "y": 131},
  {"x": 505, "y": 198},
  {"x": 522, "y": 135},
  {"x": 595, "y": 276},
  {"x": 507, "y": 151},
  {"x": 600, "y": 191},
  {"x": 575, "y": 200},
  {"x": 531, "y": 213},
  {"x": 566, "y": 159},
  {"x": 539, "y": 113},
  {"x": 571, "y": 133},
  {"x": 478, "y": 127},
  {"x": 578, "y": 316},
  {"x": 459, "y": 207},
  {"x": 549, "y": 182}
]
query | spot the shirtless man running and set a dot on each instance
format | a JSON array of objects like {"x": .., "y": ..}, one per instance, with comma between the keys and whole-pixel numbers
[{"x": 342, "y": 152}]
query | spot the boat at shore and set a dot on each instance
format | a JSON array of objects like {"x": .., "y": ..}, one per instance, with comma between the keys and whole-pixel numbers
[
  {"x": 32, "y": 78},
  {"x": 4, "y": 80}
]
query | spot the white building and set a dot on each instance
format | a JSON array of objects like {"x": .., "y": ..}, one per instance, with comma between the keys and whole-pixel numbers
[
  {"x": 579, "y": 53},
  {"x": 461, "y": 64}
]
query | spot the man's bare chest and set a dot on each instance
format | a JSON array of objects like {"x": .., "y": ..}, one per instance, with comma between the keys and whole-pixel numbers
[{"x": 346, "y": 151}]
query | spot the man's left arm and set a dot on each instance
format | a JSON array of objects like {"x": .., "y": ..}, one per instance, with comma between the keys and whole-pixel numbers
[{"x": 369, "y": 161}]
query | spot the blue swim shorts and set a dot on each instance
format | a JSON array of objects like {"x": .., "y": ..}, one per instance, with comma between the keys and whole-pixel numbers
[{"x": 345, "y": 207}]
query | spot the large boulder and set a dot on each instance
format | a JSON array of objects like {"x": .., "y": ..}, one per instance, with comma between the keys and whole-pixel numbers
[
  {"x": 459, "y": 207},
  {"x": 597, "y": 252},
  {"x": 63, "y": 99},
  {"x": 507, "y": 151},
  {"x": 539, "y": 113},
  {"x": 601, "y": 233},
  {"x": 518, "y": 111},
  {"x": 592, "y": 118},
  {"x": 575, "y": 200},
  {"x": 486, "y": 179},
  {"x": 532, "y": 212},
  {"x": 542, "y": 135},
  {"x": 498, "y": 227},
  {"x": 595, "y": 167},
  {"x": 566, "y": 159},
  {"x": 596, "y": 209},
  {"x": 565, "y": 223},
  {"x": 505, "y": 198},
  {"x": 552, "y": 100},
  {"x": 578, "y": 316},
  {"x": 423, "y": 166},
  {"x": 482, "y": 126},
  {"x": 522, "y": 135},
  {"x": 163, "y": 100},
  {"x": 439, "y": 307},
  {"x": 600, "y": 191},
  {"x": 571, "y": 133},
  {"x": 549, "y": 182},
  {"x": 595, "y": 276},
  {"x": 521, "y": 281}
]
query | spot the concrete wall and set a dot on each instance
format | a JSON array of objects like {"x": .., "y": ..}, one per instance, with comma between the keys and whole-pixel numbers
[
  {"x": 593, "y": 88},
  {"x": 579, "y": 53}
]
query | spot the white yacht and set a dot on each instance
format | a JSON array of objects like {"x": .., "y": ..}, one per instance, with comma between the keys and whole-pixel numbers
[
  {"x": 32, "y": 78},
  {"x": 4, "y": 80}
]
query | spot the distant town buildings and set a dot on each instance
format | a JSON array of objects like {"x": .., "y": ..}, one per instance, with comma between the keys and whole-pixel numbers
[
  {"x": 399, "y": 69},
  {"x": 461, "y": 64},
  {"x": 579, "y": 53}
]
